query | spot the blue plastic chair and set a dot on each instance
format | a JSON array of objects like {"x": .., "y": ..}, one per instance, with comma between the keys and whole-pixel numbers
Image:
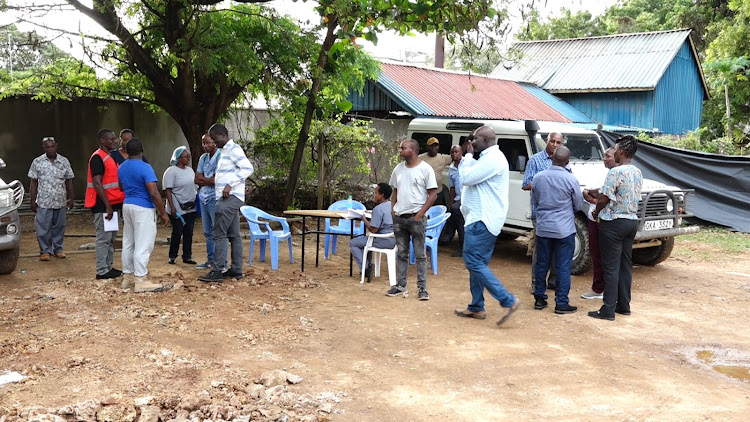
[
  {"x": 432, "y": 235},
  {"x": 261, "y": 230},
  {"x": 344, "y": 226},
  {"x": 432, "y": 212}
]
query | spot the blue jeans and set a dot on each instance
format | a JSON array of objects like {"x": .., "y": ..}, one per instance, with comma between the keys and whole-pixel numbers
[
  {"x": 561, "y": 250},
  {"x": 405, "y": 229},
  {"x": 208, "y": 218},
  {"x": 479, "y": 244}
]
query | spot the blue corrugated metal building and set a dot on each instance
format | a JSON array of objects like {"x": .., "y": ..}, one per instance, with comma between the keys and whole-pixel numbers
[{"x": 650, "y": 80}]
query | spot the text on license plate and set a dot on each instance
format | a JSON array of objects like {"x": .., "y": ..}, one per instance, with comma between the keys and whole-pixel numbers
[{"x": 658, "y": 224}]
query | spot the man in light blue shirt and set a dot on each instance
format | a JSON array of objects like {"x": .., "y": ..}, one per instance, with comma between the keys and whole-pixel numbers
[
  {"x": 204, "y": 177},
  {"x": 556, "y": 196},
  {"x": 484, "y": 203}
]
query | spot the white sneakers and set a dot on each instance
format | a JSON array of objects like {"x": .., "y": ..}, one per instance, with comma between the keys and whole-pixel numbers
[{"x": 592, "y": 295}]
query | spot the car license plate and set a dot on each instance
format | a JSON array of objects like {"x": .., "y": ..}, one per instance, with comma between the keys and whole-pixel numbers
[{"x": 658, "y": 224}]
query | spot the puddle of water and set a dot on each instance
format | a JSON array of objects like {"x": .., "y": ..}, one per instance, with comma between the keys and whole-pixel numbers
[
  {"x": 705, "y": 356},
  {"x": 737, "y": 372}
]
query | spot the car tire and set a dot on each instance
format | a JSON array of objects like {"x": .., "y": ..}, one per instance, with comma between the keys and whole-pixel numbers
[
  {"x": 9, "y": 260},
  {"x": 655, "y": 254},
  {"x": 581, "y": 253}
]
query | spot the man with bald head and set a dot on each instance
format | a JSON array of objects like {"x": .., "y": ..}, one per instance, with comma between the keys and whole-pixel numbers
[
  {"x": 484, "y": 203},
  {"x": 556, "y": 196}
]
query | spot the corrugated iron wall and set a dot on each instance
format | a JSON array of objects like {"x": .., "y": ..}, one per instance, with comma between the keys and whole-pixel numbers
[
  {"x": 616, "y": 108},
  {"x": 679, "y": 96}
]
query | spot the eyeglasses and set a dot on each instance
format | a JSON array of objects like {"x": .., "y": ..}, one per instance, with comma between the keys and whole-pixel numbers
[{"x": 48, "y": 138}]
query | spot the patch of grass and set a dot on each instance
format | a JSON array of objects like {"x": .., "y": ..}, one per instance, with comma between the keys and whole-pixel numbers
[{"x": 720, "y": 240}]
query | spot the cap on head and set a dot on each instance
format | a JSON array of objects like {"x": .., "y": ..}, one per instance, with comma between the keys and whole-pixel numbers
[
  {"x": 48, "y": 139},
  {"x": 432, "y": 141}
]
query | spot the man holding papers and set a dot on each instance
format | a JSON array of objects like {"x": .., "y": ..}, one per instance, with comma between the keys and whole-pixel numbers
[{"x": 104, "y": 198}]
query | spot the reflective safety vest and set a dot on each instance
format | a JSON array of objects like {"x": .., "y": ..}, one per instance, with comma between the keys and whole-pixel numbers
[{"x": 109, "y": 181}]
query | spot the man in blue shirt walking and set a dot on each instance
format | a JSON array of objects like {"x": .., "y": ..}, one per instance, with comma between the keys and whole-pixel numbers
[{"x": 556, "y": 196}]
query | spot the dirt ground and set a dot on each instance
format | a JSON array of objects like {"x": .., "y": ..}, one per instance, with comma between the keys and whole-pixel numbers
[{"x": 364, "y": 356}]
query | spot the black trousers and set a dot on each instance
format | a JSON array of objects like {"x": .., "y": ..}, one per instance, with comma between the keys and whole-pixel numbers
[
  {"x": 616, "y": 247},
  {"x": 182, "y": 232}
]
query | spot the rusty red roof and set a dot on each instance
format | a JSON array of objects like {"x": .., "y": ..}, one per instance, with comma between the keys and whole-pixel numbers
[{"x": 444, "y": 93}]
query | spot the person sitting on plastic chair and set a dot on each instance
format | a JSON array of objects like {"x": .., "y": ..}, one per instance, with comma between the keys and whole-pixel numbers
[{"x": 381, "y": 222}]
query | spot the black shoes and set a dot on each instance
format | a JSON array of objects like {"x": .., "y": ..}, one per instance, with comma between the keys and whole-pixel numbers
[
  {"x": 171, "y": 261},
  {"x": 599, "y": 315},
  {"x": 112, "y": 273},
  {"x": 214, "y": 276},
  {"x": 231, "y": 273},
  {"x": 565, "y": 309},
  {"x": 539, "y": 304},
  {"x": 189, "y": 261},
  {"x": 622, "y": 311},
  {"x": 396, "y": 291},
  {"x": 423, "y": 295}
]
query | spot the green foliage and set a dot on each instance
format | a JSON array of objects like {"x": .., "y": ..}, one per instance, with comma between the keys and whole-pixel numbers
[
  {"x": 697, "y": 141},
  {"x": 727, "y": 65},
  {"x": 29, "y": 50},
  {"x": 191, "y": 59},
  {"x": 568, "y": 25}
]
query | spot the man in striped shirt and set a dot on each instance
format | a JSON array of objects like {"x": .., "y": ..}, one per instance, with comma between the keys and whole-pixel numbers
[{"x": 229, "y": 182}]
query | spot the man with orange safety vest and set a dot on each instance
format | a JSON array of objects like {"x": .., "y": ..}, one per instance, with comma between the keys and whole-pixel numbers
[{"x": 104, "y": 198}]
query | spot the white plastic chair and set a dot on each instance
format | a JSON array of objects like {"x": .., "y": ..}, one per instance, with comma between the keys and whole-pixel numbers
[{"x": 376, "y": 255}]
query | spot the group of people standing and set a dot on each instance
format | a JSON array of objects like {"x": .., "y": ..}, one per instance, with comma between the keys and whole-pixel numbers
[
  {"x": 478, "y": 199},
  {"x": 120, "y": 181}
]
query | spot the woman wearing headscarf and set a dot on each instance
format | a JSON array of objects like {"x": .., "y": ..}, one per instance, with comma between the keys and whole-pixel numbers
[{"x": 180, "y": 189}]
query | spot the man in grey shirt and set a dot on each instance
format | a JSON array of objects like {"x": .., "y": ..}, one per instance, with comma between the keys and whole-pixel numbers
[{"x": 556, "y": 196}]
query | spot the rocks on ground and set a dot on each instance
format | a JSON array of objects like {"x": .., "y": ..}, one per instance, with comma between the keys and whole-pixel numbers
[{"x": 271, "y": 397}]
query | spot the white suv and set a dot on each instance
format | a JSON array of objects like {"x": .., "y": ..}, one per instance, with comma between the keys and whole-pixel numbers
[
  {"x": 11, "y": 196},
  {"x": 661, "y": 208}
]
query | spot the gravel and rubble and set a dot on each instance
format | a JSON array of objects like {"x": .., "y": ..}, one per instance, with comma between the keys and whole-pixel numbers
[{"x": 272, "y": 396}]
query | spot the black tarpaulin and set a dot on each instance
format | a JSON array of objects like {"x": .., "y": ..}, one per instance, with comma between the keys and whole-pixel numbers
[{"x": 721, "y": 182}]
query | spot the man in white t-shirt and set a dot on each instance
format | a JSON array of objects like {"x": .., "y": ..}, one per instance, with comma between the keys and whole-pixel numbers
[{"x": 414, "y": 192}]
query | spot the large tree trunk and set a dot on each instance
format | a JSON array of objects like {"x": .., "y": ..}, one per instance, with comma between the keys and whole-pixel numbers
[{"x": 310, "y": 109}]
